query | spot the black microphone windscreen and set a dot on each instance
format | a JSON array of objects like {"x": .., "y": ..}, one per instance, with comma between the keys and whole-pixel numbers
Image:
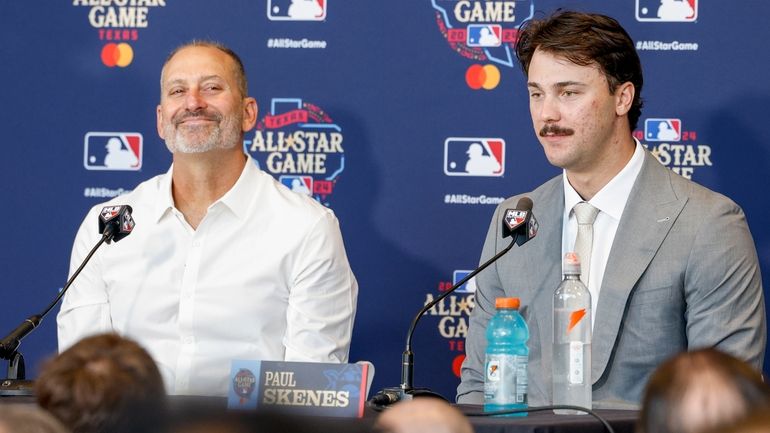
[
  {"x": 525, "y": 203},
  {"x": 115, "y": 222}
]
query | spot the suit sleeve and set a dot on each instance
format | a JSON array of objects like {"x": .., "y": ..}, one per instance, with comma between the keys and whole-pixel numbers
[
  {"x": 85, "y": 308},
  {"x": 488, "y": 288},
  {"x": 322, "y": 301},
  {"x": 725, "y": 305}
]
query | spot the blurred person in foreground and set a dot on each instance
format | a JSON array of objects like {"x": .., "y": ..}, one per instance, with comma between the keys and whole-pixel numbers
[
  {"x": 262, "y": 420},
  {"x": 224, "y": 262},
  {"x": 19, "y": 418},
  {"x": 673, "y": 266},
  {"x": 758, "y": 421},
  {"x": 701, "y": 391},
  {"x": 423, "y": 415},
  {"x": 103, "y": 384}
]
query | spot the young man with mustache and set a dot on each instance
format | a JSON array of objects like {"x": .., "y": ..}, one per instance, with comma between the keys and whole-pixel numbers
[
  {"x": 225, "y": 262},
  {"x": 672, "y": 266}
]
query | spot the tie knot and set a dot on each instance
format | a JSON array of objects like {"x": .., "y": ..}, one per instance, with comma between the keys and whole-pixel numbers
[{"x": 585, "y": 213}]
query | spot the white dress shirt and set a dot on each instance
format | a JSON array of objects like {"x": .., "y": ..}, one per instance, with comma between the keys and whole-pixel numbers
[
  {"x": 610, "y": 200},
  {"x": 264, "y": 276}
]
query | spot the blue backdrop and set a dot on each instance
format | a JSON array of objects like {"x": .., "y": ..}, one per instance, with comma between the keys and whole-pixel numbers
[{"x": 372, "y": 107}]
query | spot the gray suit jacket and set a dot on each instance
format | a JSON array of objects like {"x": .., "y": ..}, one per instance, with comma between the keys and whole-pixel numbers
[{"x": 682, "y": 274}]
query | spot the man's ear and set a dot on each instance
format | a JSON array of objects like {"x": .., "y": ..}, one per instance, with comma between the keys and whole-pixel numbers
[
  {"x": 624, "y": 98},
  {"x": 159, "y": 121},
  {"x": 250, "y": 111}
]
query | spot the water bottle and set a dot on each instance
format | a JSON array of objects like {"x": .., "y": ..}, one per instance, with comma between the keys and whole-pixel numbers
[
  {"x": 507, "y": 356},
  {"x": 572, "y": 339}
]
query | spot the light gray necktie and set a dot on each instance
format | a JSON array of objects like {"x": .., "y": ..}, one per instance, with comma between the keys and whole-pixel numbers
[{"x": 585, "y": 215}]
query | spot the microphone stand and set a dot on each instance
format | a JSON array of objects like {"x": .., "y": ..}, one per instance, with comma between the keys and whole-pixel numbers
[
  {"x": 407, "y": 391},
  {"x": 16, "y": 384}
]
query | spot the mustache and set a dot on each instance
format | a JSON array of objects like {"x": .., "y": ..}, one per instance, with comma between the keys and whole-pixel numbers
[
  {"x": 555, "y": 130},
  {"x": 197, "y": 114}
]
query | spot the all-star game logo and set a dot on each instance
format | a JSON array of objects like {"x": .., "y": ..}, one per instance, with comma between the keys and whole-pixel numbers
[
  {"x": 118, "y": 23},
  {"x": 674, "y": 146},
  {"x": 244, "y": 384},
  {"x": 453, "y": 312},
  {"x": 484, "y": 32},
  {"x": 299, "y": 143}
]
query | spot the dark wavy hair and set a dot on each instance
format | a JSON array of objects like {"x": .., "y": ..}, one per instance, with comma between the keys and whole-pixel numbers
[
  {"x": 104, "y": 383},
  {"x": 585, "y": 39},
  {"x": 700, "y": 390}
]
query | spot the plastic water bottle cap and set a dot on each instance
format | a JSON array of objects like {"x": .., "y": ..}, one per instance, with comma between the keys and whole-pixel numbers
[
  {"x": 512, "y": 303},
  {"x": 571, "y": 264}
]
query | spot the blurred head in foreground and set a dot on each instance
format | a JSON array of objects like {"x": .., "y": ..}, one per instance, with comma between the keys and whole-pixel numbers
[
  {"x": 18, "y": 418},
  {"x": 104, "y": 383},
  {"x": 423, "y": 415},
  {"x": 701, "y": 390},
  {"x": 213, "y": 420}
]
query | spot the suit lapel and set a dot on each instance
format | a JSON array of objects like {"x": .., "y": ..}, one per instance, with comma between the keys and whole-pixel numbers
[
  {"x": 650, "y": 213},
  {"x": 544, "y": 265}
]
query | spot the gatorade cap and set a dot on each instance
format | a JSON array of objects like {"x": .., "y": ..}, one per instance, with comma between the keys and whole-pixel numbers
[
  {"x": 507, "y": 303},
  {"x": 571, "y": 264}
]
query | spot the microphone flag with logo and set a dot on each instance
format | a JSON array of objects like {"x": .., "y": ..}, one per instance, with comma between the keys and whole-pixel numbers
[
  {"x": 520, "y": 222},
  {"x": 115, "y": 222}
]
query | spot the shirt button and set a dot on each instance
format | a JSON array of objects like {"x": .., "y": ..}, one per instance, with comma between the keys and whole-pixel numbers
[
  {"x": 188, "y": 340},
  {"x": 197, "y": 243}
]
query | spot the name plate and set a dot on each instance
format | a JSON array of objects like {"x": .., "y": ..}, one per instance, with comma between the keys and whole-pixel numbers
[{"x": 306, "y": 388}]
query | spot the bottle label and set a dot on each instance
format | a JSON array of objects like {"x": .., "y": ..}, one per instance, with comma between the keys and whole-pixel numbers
[
  {"x": 493, "y": 370},
  {"x": 575, "y": 376},
  {"x": 574, "y": 318},
  {"x": 505, "y": 379}
]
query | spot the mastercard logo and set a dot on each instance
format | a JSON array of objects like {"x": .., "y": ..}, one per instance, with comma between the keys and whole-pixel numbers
[
  {"x": 117, "y": 55},
  {"x": 457, "y": 365},
  {"x": 478, "y": 76}
]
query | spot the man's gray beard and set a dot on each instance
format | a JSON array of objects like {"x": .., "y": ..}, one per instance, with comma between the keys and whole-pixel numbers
[{"x": 226, "y": 135}]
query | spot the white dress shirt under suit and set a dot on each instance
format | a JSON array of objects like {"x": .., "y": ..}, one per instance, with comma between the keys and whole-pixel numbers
[{"x": 610, "y": 200}]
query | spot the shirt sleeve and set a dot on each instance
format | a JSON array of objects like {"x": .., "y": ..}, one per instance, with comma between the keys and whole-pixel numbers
[
  {"x": 723, "y": 288},
  {"x": 85, "y": 308},
  {"x": 322, "y": 299}
]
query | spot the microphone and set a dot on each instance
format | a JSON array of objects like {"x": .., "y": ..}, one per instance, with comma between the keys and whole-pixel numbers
[
  {"x": 518, "y": 223},
  {"x": 115, "y": 223}
]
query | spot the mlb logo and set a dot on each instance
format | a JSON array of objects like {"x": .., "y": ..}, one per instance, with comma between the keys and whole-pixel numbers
[
  {"x": 296, "y": 10},
  {"x": 662, "y": 129},
  {"x": 682, "y": 11},
  {"x": 474, "y": 157},
  {"x": 484, "y": 35},
  {"x": 468, "y": 287},
  {"x": 119, "y": 151},
  {"x": 110, "y": 212},
  {"x": 298, "y": 184},
  {"x": 514, "y": 217}
]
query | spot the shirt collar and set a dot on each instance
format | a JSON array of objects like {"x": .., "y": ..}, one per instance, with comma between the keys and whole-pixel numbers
[
  {"x": 612, "y": 198},
  {"x": 165, "y": 203},
  {"x": 241, "y": 195},
  {"x": 237, "y": 199}
]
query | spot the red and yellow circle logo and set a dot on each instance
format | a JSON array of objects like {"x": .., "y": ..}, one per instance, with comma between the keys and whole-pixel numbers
[
  {"x": 117, "y": 55},
  {"x": 457, "y": 365},
  {"x": 478, "y": 76}
]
